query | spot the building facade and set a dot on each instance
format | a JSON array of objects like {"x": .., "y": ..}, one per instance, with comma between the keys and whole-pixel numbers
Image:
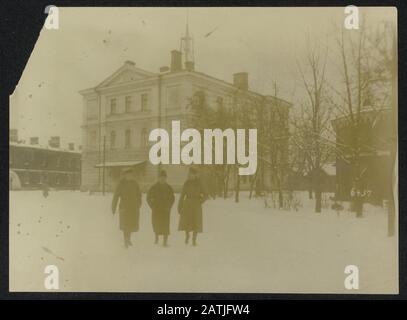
[
  {"x": 32, "y": 165},
  {"x": 120, "y": 112}
]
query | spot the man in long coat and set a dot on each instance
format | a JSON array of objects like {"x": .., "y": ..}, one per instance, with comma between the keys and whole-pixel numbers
[
  {"x": 190, "y": 206},
  {"x": 160, "y": 198},
  {"x": 129, "y": 194}
]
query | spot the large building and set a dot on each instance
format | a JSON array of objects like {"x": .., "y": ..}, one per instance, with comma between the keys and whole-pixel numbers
[
  {"x": 32, "y": 165},
  {"x": 120, "y": 112}
]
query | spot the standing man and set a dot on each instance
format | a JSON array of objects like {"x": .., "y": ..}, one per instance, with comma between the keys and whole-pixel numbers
[
  {"x": 160, "y": 198},
  {"x": 190, "y": 206},
  {"x": 128, "y": 191}
]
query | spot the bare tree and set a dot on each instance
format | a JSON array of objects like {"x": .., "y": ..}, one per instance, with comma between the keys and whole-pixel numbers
[
  {"x": 243, "y": 116},
  {"x": 247, "y": 110},
  {"x": 314, "y": 121},
  {"x": 222, "y": 116},
  {"x": 368, "y": 74},
  {"x": 276, "y": 155}
]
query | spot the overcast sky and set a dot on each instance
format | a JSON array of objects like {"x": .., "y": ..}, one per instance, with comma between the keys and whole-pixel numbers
[{"x": 92, "y": 43}]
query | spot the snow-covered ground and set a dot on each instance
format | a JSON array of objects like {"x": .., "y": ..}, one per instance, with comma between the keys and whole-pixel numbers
[{"x": 244, "y": 248}]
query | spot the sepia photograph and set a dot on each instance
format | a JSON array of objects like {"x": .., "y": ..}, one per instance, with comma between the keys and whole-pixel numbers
[{"x": 207, "y": 150}]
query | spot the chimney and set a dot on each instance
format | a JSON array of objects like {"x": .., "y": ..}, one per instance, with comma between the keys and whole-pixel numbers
[
  {"x": 54, "y": 142},
  {"x": 71, "y": 146},
  {"x": 241, "y": 80},
  {"x": 34, "y": 140},
  {"x": 176, "y": 61},
  {"x": 13, "y": 135},
  {"x": 189, "y": 65}
]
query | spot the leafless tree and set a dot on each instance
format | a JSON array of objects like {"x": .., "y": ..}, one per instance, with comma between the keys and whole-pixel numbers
[
  {"x": 312, "y": 125},
  {"x": 368, "y": 73}
]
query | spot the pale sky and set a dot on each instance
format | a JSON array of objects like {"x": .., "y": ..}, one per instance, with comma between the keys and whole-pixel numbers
[{"x": 92, "y": 43}]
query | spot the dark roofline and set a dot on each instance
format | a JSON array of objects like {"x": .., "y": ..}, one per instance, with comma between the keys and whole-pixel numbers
[
  {"x": 267, "y": 96},
  {"x": 362, "y": 112},
  {"x": 183, "y": 72},
  {"x": 42, "y": 147}
]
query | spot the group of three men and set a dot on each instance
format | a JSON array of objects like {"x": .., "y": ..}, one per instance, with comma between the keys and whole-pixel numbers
[{"x": 160, "y": 199}]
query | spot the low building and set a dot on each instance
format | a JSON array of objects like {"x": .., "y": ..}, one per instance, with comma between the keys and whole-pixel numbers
[
  {"x": 32, "y": 165},
  {"x": 302, "y": 181}
]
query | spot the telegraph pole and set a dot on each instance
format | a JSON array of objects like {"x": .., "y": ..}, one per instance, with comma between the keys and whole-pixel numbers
[{"x": 104, "y": 164}]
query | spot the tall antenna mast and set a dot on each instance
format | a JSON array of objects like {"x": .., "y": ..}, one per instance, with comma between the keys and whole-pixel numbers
[{"x": 187, "y": 47}]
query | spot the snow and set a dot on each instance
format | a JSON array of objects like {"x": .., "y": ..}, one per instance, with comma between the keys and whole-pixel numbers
[{"x": 244, "y": 248}]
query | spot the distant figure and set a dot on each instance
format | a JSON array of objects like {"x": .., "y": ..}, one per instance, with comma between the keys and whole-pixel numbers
[
  {"x": 358, "y": 196},
  {"x": 45, "y": 189},
  {"x": 190, "y": 206},
  {"x": 337, "y": 207},
  {"x": 128, "y": 191},
  {"x": 160, "y": 198}
]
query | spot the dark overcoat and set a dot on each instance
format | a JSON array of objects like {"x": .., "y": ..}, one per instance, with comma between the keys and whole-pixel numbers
[
  {"x": 160, "y": 198},
  {"x": 190, "y": 206},
  {"x": 129, "y": 194}
]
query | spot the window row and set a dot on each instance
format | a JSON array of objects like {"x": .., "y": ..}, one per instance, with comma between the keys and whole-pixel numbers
[
  {"x": 35, "y": 179},
  {"x": 129, "y": 142},
  {"x": 116, "y": 139},
  {"x": 42, "y": 160},
  {"x": 130, "y": 104}
]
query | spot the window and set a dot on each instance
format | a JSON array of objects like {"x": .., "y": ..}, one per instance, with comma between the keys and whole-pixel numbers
[
  {"x": 37, "y": 157},
  {"x": 25, "y": 178},
  {"x": 198, "y": 100},
  {"x": 219, "y": 102},
  {"x": 27, "y": 157},
  {"x": 144, "y": 101},
  {"x": 45, "y": 160},
  {"x": 112, "y": 139},
  {"x": 113, "y": 106},
  {"x": 128, "y": 106},
  {"x": 127, "y": 143},
  {"x": 92, "y": 138},
  {"x": 144, "y": 137}
]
